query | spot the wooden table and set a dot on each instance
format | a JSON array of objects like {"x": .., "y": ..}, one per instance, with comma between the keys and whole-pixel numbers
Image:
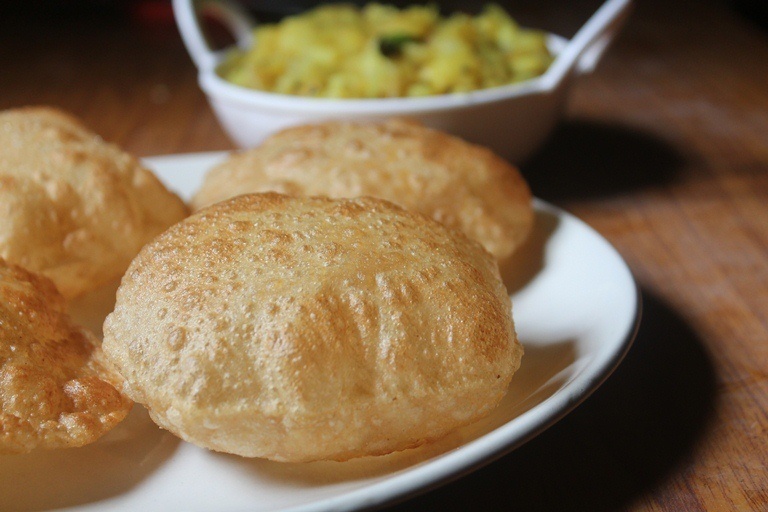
[{"x": 664, "y": 151}]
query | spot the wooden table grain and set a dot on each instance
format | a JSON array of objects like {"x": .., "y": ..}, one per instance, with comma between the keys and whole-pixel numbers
[{"x": 664, "y": 150}]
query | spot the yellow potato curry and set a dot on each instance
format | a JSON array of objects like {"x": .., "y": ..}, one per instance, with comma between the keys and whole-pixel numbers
[{"x": 380, "y": 51}]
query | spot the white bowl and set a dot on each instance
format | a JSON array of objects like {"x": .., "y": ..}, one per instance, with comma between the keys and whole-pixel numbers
[{"x": 513, "y": 120}]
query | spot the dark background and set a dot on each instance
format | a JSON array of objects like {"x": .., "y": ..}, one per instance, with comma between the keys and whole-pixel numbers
[{"x": 159, "y": 11}]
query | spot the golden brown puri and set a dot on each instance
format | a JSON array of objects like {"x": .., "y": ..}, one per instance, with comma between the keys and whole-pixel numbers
[
  {"x": 297, "y": 328},
  {"x": 73, "y": 207},
  {"x": 56, "y": 390},
  {"x": 462, "y": 185}
]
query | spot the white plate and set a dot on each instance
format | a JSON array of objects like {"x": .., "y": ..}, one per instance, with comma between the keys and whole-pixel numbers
[{"x": 576, "y": 310}]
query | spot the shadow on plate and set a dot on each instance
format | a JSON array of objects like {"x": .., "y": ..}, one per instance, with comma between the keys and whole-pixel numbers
[
  {"x": 547, "y": 368},
  {"x": 114, "y": 464},
  {"x": 91, "y": 309},
  {"x": 585, "y": 159},
  {"x": 623, "y": 441},
  {"x": 518, "y": 270}
]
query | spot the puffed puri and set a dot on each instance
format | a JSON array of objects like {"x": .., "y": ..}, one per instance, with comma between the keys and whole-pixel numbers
[
  {"x": 462, "y": 185},
  {"x": 56, "y": 389},
  {"x": 73, "y": 207},
  {"x": 301, "y": 329}
]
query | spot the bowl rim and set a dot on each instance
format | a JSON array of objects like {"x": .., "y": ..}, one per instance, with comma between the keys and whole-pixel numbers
[
  {"x": 218, "y": 87},
  {"x": 215, "y": 85}
]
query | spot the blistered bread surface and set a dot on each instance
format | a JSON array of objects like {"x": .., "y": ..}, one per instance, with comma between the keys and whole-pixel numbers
[
  {"x": 462, "y": 185},
  {"x": 56, "y": 390},
  {"x": 299, "y": 329},
  {"x": 74, "y": 207}
]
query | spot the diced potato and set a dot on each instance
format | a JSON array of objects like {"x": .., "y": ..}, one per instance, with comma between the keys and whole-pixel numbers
[{"x": 342, "y": 51}]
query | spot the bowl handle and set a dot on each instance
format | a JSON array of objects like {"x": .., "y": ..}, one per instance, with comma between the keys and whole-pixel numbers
[
  {"x": 584, "y": 50},
  {"x": 230, "y": 14}
]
